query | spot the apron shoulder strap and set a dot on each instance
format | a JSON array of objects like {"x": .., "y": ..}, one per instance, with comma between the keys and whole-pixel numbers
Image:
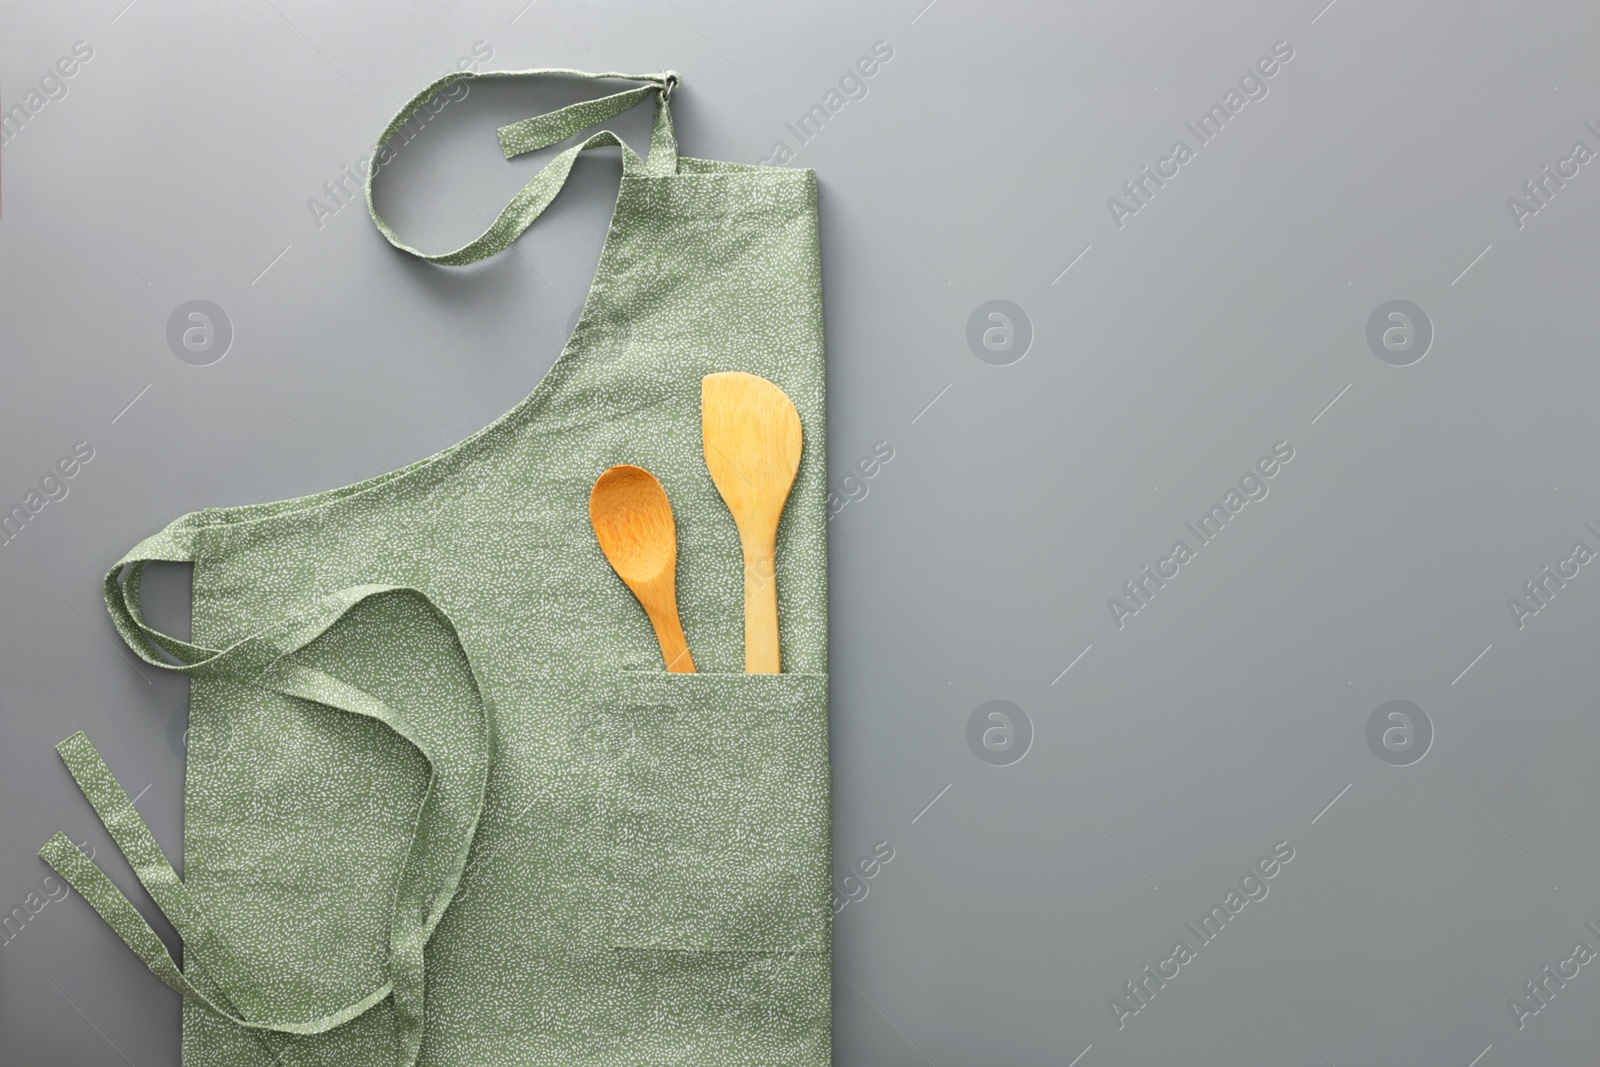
[{"x": 534, "y": 133}]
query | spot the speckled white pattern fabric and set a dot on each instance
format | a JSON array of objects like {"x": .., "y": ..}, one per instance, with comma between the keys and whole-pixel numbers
[{"x": 613, "y": 865}]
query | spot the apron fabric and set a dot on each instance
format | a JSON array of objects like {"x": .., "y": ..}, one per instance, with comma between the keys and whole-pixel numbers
[{"x": 443, "y": 804}]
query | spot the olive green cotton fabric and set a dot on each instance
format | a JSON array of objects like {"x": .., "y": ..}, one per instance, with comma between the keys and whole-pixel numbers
[{"x": 444, "y": 805}]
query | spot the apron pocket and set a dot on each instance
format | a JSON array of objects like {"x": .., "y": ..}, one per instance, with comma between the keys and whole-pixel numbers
[{"x": 719, "y": 819}]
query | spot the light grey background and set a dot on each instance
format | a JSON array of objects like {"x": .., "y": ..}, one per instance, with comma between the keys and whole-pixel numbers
[{"x": 1224, "y": 316}]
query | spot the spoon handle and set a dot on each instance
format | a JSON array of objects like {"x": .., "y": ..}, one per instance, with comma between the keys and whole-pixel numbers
[
  {"x": 661, "y": 606},
  {"x": 761, "y": 607}
]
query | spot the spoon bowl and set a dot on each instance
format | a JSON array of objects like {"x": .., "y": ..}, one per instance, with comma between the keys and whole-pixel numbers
[{"x": 632, "y": 520}]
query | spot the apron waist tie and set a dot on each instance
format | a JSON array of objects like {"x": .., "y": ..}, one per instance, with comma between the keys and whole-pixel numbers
[{"x": 457, "y": 754}]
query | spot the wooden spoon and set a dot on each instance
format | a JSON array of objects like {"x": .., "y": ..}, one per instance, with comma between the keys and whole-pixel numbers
[
  {"x": 751, "y": 433},
  {"x": 632, "y": 520}
]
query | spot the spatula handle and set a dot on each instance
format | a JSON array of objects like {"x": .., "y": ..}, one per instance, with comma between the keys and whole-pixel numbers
[{"x": 761, "y": 609}]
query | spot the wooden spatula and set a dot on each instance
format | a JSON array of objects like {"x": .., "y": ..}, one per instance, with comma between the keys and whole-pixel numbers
[
  {"x": 752, "y": 443},
  {"x": 632, "y": 520}
]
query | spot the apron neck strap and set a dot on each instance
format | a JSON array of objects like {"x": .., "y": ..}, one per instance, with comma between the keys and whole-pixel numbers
[{"x": 534, "y": 133}]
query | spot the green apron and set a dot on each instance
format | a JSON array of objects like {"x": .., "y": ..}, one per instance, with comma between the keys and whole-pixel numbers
[{"x": 444, "y": 805}]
